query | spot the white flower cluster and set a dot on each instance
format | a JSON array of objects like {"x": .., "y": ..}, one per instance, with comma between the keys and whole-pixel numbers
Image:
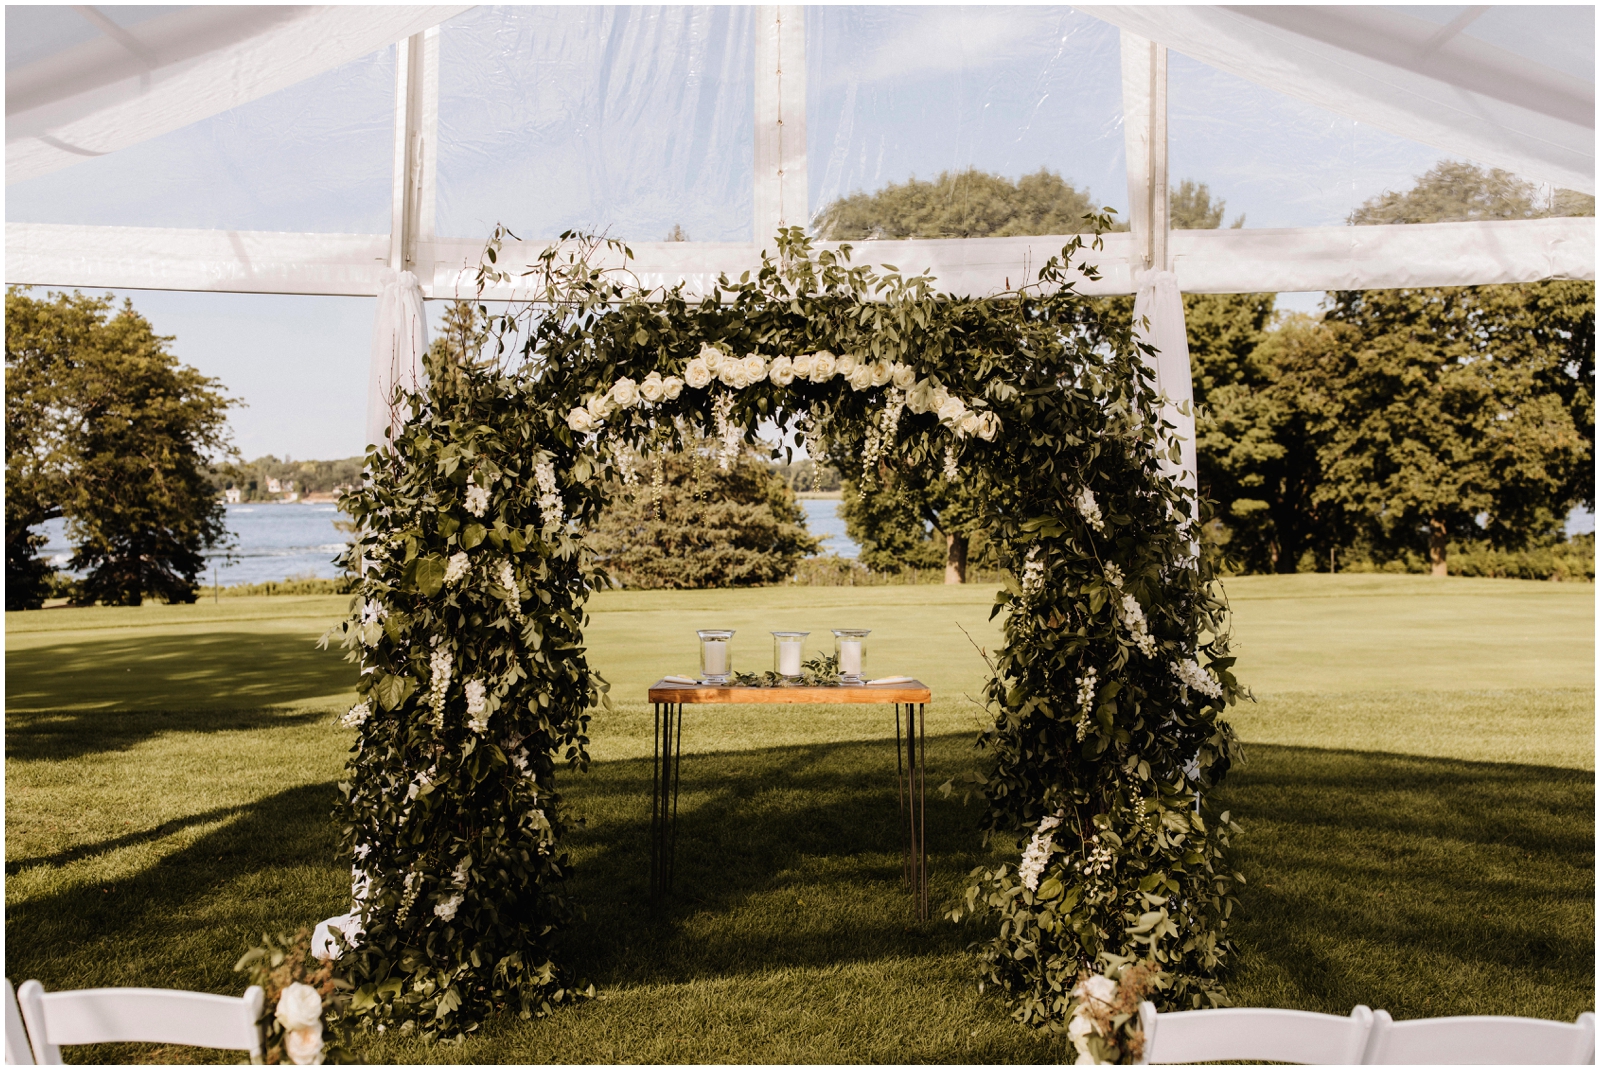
[
  {"x": 1100, "y": 859},
  {"x": 1032, "y": 573},
  {"x": 883, "y": 432},
  {"x": 477, "y": 499},
  {"x": 508, "y": 580},
  {"x": 1132, "y": 615},
  {"x": 952, "y": 472},
  {"x": 440, "y": 666},
  {"x": 729, "y": 434},
  {"x": 1113, "y": 573},
  {"x": 624, "y": 394},
  {"x": 1191, "y": 675},
  {"x": 455, "y": 569},
  {"x": 550, "y": 505},
  {"x": 1087, "y": 683},
  {"x": 477, "y": 706},
  {"x": 357, "y": 715},
  {"x": 1090, "y": 509},
  {"x": 1094, "y": 994},
  {"x": 627, "y": 466},
  {"x": 1038, "y": 853},
  {"x": 299, "y": 1012},
  {"x": 446, "y": 910}
]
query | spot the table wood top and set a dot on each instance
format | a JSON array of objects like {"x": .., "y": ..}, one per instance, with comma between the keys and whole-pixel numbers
[{"x": 701, "y": 694}]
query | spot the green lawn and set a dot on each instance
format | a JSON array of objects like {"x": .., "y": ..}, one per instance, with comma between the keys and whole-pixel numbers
[{"x": 1418, "y": 798}]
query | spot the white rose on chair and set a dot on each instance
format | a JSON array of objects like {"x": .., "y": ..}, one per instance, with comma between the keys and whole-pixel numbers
[
  {"x": 299, "y": 1011},
  {"x": 697, "y": 374}
]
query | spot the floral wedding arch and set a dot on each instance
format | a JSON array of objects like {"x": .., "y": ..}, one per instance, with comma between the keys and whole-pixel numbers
[{"x": 468, "y": 625}]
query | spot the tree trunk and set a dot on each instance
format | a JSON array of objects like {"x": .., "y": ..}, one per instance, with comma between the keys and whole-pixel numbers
[
  {"x": 955, "y": 559},
  {"x": 1436, "y": 539}
]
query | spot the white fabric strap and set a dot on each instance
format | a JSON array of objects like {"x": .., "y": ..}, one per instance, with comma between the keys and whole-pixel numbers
[
  {"x": 399, "y": 339},
  {"x": 1159, "y": 301},
  {"x": 1398, "y": 72}
]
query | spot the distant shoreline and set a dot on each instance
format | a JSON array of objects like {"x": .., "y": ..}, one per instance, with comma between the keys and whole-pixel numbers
[{"x": 820, "y": 495}]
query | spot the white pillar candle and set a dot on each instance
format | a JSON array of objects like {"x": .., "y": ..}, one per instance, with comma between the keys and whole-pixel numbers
[
  {"x": 850, "y": 657},
  {"x": 716, "y": 657},
  {"x": 788, "y": 659}
]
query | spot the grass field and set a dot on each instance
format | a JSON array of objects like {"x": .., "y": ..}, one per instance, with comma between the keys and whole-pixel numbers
[{"x": 1417, "y": 796}]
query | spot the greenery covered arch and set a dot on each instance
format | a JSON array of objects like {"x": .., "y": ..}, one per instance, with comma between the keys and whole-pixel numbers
[{"x": 468, "y": 624}]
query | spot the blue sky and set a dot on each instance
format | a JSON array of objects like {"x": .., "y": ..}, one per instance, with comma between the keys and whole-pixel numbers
[{"x": 636, "y": 119}]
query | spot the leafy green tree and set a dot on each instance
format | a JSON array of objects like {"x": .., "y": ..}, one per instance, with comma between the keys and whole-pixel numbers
[
  {"x": 1456, "y": 191},
  {"x": 914, "y": 523},
  {"x": 121, "y": 439},
  {"x": 705, "y": 527},
  {"x": 961, "y": 204}
]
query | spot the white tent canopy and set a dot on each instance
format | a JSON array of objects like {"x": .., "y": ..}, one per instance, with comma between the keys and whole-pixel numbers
[{"x": 1511, "y": 88}]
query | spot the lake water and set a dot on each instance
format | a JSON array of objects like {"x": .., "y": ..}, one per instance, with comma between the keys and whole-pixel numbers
[{"x": 275, "y": 542}]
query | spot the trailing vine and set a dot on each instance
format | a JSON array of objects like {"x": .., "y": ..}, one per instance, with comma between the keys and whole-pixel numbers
[{"x": 468, "y": 624}]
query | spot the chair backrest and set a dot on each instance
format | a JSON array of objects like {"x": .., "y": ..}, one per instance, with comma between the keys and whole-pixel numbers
[
  {"x": 152, "y": 1015},
  {"x": 17, "y": 1051},
  {"x": 1254, "y": 1034},
  {"x": 1481, "y": 1040}
]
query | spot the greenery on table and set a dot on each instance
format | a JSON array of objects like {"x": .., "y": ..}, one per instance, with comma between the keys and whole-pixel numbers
[
  {"x": 105, "y": 427},
  {"x": 1427, "y": 848},
  {"x": 468, "y": 625},
  {"x": 820, "y": 671}
]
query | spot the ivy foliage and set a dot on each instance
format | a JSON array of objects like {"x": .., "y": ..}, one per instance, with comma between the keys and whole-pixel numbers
[{"x": 468, "y": 625}]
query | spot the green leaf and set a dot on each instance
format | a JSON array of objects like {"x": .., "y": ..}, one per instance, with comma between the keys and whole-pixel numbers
[
  {"x": 392, "y": 691},
  {"x": 1050, "y": 889},
  {"x": 427, "y": 574},
  {"x": 472, "y": 535}
]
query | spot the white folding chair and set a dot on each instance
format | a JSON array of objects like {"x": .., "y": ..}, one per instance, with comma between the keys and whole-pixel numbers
[
  {"x": 1254, "y": 1034},
  {"x": 1479, "y": 1040},
  {"x": 17, "y": 1051},
  {"x": 150, "y": 1015}
]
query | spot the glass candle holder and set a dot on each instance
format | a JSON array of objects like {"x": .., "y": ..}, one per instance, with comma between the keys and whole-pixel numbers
[
  {"x": 788, "y": 650},
  {"x": 850, "y": 647},
  {"x": 716, "y": 657}
]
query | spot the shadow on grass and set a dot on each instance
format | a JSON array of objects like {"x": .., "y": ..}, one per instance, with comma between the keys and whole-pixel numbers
[
  {"x": 62, "y": 735},
  {"x": 224, "y": 669},
  {"x": 1424, "y": 886},
  {"x": 789, "y": 857},
  {"x": 183, "y": 921}
]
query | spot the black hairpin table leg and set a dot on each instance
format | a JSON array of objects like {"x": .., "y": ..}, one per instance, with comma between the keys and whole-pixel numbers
[
  {"x": 664, "y": 798},
  {"x": 913, "y": 794}
]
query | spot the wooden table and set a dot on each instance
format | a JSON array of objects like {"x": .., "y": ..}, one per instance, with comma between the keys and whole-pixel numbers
[{"x": 670, "y": 698}]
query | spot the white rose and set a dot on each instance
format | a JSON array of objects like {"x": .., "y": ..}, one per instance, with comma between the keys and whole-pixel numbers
[
  {"x": 845, "y": 364},
  {"x": 300, "y": 1007},
  {"x": 905, "y": 376},
  {"x": 971, "y": 423},
  {"x": 599, "y": 406},
  {"x": 882, "y": 372},
  {"x": 782, "y": 373},
  {"x": 920, "y": 398},
  {"x": 988, "y": 426},
  {"x": 671, "y": 387},
  {"x": 304, "y": 1046},
  {"x": 1099, "y": 987},
  {"x": 952, "y": 409},
  {"x": 580, "y": 420},
  {"x": 652, "y": 389},
  {"x": 625, "y": 392},
  {"x": 802, "y": 365},
  {"x": 755, "y": 369},
  {"x": 823, "y": 365},
  {"x": 697, "y": 374},
  {"x": 860, "y": 377},
  {"x": 1079, "y": 1027},
  {"x": 711, "y": 355},
  {"x": 731, "y": 372}
]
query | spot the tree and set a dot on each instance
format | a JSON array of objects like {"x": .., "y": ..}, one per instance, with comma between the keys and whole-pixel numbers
[
  {"x": 705, "y": 527},
  {"x": 906, "y": 522},
  {"x": 1456, "y": 191},
  {"x": 962, "y": 204},
  {"x": 119, "y": 440}
]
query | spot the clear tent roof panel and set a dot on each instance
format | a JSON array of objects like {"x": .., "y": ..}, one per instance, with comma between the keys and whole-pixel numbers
[
  {"x": 316, "y": 157},
  {"x": 625, "y": 120},
  {"x": 895, "y": 93}
]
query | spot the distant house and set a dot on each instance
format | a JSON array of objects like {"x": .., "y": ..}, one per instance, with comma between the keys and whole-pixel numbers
[
  {"x": 231, "y": 495},
  {"x": 273, "y": 486}
]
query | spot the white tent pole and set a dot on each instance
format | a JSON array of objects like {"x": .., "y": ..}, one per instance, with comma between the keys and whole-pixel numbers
[
  {"x": 1157, "y": 304},
  {"x": 781, "y": 194}
]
